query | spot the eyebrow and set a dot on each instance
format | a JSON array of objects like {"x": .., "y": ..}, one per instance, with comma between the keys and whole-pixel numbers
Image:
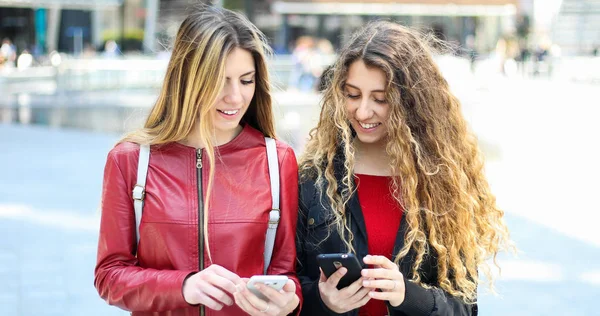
[
  {"x": 248, "y": 73},
  {"x": 357, "y": 88}
]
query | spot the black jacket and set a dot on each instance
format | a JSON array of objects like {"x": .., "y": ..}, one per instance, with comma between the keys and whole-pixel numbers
[{"x": 314, "y": 220}]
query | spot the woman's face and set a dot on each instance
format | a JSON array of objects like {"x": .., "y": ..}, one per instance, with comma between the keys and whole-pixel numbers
[
  {"x": 233, "y": 101},
  {"x": 367, "y": 107}
]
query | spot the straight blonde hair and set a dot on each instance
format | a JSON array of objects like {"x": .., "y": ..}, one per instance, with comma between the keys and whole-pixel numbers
[{"x": 194, "y": 79}]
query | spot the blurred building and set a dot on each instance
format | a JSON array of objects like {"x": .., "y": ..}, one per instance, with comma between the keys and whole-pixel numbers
[
  {"x": 577, "y": 27},
  {"x": 79, "y": 26},
  {"x": 453, "y": 20},
  {"x": 284, "y": 21}
]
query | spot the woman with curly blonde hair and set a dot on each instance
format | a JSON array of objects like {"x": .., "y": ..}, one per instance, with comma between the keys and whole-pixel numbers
[{"x": 393, "y": 175}]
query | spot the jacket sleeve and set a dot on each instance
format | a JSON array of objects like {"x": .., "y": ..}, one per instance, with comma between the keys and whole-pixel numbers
[
  {"x": 421, "y": 301},
  {"x": 284, "y": 253},
  {"x": 313, "y": 304},
  {"x": 118, "y": 277}
]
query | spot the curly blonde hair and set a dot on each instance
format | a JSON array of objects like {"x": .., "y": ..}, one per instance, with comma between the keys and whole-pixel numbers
[{"x": 437, "y": 168}]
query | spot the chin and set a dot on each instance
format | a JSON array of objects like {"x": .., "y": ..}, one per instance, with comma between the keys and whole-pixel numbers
[
  {"x": 227, "y": 127},
  {"x": 369, "y": 139}
]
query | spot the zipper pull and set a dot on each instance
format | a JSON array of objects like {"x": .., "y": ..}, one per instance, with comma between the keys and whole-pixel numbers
[{"x": 199, "y": 158}]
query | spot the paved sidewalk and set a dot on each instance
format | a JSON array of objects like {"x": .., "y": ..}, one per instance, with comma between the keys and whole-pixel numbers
[
  {"x": 50, "y": 184},
  {"x": 542, "y": 165}
]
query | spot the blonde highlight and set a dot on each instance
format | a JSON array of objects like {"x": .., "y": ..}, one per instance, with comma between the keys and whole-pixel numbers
[
  {"x": 194, "y": 79},
  {"x": 437, "y": 168}
]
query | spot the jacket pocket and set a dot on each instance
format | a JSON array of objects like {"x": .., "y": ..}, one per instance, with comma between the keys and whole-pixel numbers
[{"x": 320, "y": 229}]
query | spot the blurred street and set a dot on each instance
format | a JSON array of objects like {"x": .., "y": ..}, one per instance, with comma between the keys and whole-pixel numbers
[
  {"x": 75, "y": 75},
  {"x": 539, "y": 137}
]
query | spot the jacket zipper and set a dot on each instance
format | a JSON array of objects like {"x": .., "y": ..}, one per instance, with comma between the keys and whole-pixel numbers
[{"x": 200, "y": 216}]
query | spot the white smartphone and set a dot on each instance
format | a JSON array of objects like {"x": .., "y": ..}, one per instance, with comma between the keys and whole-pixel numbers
[{"x": 274, "y": 281}]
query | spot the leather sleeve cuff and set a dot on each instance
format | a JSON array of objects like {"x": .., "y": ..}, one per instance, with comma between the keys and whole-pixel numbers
[{"x": 417, "y": 300}]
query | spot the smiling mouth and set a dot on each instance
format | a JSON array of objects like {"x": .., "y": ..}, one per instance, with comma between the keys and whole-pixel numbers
[
  {"x": 230, "y": 112},
  {"x": 368, "y": 126}
]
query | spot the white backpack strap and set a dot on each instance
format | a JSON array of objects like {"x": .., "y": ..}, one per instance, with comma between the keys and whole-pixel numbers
[
  {"x": 139, "y": 191},
  {"x": 275, "y": 213}
]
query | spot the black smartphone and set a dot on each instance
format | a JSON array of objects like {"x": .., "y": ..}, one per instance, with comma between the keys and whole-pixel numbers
[{"x": 331, "y": 262}]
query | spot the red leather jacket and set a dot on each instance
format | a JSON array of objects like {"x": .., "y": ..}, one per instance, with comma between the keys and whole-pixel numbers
[{"x": 169, "y": 244}]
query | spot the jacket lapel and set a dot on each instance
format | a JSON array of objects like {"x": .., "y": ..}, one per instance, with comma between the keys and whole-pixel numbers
[
  {"x": 399, "y": 243},
  {"x": 353, "y": 206},
  {"x": 357, "y": 216}
]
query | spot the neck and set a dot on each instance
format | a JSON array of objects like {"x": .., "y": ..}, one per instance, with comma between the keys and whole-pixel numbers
[
  {"x": 218, "y": 138},
  {"x": 371, "y": 158}
]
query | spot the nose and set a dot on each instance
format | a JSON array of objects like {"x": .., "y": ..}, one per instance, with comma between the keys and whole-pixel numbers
[
  {"x": 233, "y": 95},
  {"x": 364, "y": 110}
]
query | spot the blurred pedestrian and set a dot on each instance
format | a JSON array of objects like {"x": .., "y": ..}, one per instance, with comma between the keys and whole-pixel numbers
[
  {"x": 471, "y": 51},
  {"x": 111, "y": 49},
  {"x": 8, "y": 53},
  {"x": 25, "y": 60},
  {"x": 392, "y": 175},
  {"x": 302, "y": 76},
  {"x": 207, "y": 204}
]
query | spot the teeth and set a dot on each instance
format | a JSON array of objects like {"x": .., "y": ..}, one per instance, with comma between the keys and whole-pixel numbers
[
  {"x": 367, "y": 126},
  {"x": 230, "y": 112}
]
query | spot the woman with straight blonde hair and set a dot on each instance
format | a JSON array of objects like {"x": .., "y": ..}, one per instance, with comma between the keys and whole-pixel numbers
[
  {"x": 392, "y": 175},
  {"x": 207, "y": 198}
]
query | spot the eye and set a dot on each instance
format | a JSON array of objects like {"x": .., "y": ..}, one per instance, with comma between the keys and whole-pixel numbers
[
  {"x": 247, "y": 82},
  {"x": 352, "y": 96},
  {"x": 380, "y": 101}
]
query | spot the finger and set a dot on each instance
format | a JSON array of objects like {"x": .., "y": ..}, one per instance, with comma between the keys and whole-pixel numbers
[
  {"x": 363, "y": 301},
  {"x": 353, "y": 288},
  {"x": 254, "y": 300},
  {"x": 290, "y": 286},
  {"x": 360, "y": 295},
  {"x": 292, "y": 304},
  {"x": 381, "y": 261},
  {"x": 209, "y": 302},
  {"x": 243, "y": 303},
  {"x": 273, "y": 295},
  {"x": 383, "y": 296},
  {"x": 381, "y": 284},
  {"x": 381, "y": 274},
  {"x": 226, "y": 273},
  {"x": 335, "y": 278},
  {"x": 322, "y": 278},
  {"x": 259, "y": 305},
  {"x": 221, "y": 282},
  {"x": 215, "y": 293}
]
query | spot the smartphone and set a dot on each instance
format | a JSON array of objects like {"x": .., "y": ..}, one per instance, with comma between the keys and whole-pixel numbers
[
  {"x": 274, "y": 281},
  {"x": 331, "y": 262}
]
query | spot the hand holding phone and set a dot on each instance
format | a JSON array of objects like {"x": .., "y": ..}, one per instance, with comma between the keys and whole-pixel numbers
[
  {"x": 340, "y": 284},
  {"x": 330, "y": 263},
  {"x": 277, "y": 295},
  {"x": 273, "y": 281}
]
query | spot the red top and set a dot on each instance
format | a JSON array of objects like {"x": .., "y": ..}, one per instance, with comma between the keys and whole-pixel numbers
[{"x": 382, "y": 219}]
